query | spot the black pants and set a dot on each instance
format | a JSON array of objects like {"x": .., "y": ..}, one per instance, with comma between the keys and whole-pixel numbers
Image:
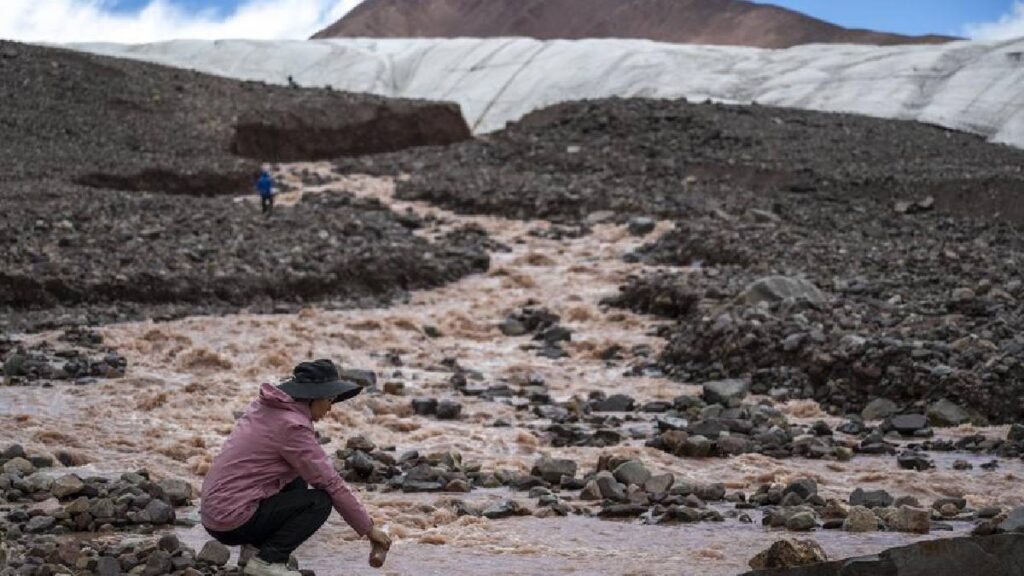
[
  {"x": 282, "y": 522},
  {"x": 267, "y": 204}
]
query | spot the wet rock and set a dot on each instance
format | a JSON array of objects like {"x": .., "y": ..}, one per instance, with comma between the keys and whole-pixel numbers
[
  {"x": 609, "y": 487},
  {"x": 632, "y": 472},
  {"x": 169, "y": 543},
  {"x": 552, "y": 470},
  {"x": 159, "y": 512},
  {"x": 725, "y": 392},
  {"x": 614, "y": 403},
  {"x": 801, "y": 522},
  {"x": 18, "y": 466},
  {"x": 860, "y": 519},
  {"x": 909, "y": 424},
  {"x": 158, "y": 563},
  {"x": 641, "y": 225},
  {"x": 789, "y": 553},
  {"x": 424, "y": 406},
  {"x": 178, "y": 491},
  {"x": 214, "y": 553},
  {"x": 39, "y": 524},
  {"x": 108, "y": 566},
  {"x": 871, "y": 499},
  {"x": 803, "y": 487},
  {"x": 879, "y": 409},
  {"x": 67, "y": 485},
  {"x": 913, "y": 460},
  {"x": 697, "y": 447},
  {"x": 1014, "y": 521},
  {"x": 659, "y": 483},
  {"x": 907, "y": 519},
  {"x": 448, "y": 410},
  {"x": 943, "y": 412},
  {"x": 504, "y": 509}
]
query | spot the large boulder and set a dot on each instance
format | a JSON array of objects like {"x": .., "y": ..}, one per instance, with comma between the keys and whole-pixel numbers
[
  {"x": 632, "y": 472},
  {"x": 1000, "y": 555},
  {"x": 324, "y": 130},
  {"x": 774, "y": 289}
]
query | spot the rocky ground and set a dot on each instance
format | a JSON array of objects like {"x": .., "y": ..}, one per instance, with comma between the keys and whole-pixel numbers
[
  {"x": 909, "y": 235},
  {"x": 118, "y": 195}
]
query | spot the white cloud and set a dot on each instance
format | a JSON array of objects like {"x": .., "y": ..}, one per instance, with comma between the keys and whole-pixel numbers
[
  {"x": 94, "y": 20},
  {"x": 1008, "y": 27}
]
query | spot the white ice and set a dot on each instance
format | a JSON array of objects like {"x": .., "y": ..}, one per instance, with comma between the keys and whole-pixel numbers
[{"x": 972, "y": 86}]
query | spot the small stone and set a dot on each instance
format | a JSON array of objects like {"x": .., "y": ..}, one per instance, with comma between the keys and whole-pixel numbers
[
  {"x": 108, "y": 566},
  {"x": 39, "y": 524},
  {"x": 725, "y": 391},
  {"x": 424, "y": 406},
  {"x": 946, "y": 413},
  {"x": 19, "y": 466},
  {"x": 659, "y": 483},
  {"x": 552, "y": 470},
  {"x": 169, "y": 543},
  {"x": 159, "y": 512},
  {"x": 907, "y": 519},
  {"x": 909, "y": 424},
  {"x": 641, "y": 225}
]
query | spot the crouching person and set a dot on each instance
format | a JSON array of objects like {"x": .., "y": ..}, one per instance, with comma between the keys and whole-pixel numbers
[{"x": 272, "y": 486}]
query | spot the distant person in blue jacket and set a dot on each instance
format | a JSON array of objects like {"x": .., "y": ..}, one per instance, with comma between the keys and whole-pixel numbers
[{"x": 265, "y": 185}]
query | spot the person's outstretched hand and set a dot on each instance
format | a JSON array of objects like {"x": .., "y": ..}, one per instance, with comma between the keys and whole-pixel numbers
[{"x": 379, "y": 537}]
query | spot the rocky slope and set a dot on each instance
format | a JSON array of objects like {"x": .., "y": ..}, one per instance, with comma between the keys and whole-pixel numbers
[
  {"x": 727, "y": 22},
  {"x": 909, "y": 234},
  {"x": 113, "y": 195}
]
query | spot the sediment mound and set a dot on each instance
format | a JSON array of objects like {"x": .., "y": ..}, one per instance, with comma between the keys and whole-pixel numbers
[
  {"x": 673, "y": 158},
  {"x": 691, "y": 21},
  {"x": 122, "y": 124}
]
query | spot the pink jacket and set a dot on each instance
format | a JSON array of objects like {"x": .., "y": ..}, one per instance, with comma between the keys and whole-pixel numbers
[{"x": 271, "y": 445}]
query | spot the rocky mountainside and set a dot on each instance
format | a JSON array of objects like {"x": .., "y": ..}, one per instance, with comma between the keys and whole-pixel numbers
[
  {"x": 115, "y": 198},
  {"x": 723, "y": 22}
]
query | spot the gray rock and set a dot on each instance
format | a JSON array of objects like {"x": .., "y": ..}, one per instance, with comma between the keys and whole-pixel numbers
[
  {"x": 871, "y": 499},
  {"x": 1014, "y": 521},
  {"x": 614, "y": 403},
  {"x": 860, "y": 519},
  {"x": 632, "y": 472},
  {"x": 641, "y": 225},
  {"x": 879, "y": 409},
  {"x": 215, "y": 553},
  {"x": 946, "y": 413},
  {"x": 39, "y": 524},
  {"x": 908, "y": 519},
  {"x": 801, "y": 522},
  {"x": 179, "y": 491},
  {"x": 773, "y": 289},
  {"x": 102, "y": 508},
  {"x": 803, "y": 487},
  {"x": 67, "y": 485},
  {"x": 159, "y": 512},
  {"x": 659, "y": 483},
  {"x": 448, "y": 410},
  {"x": 108, "y": 566},
  {"x": 158, "y": 563},
  {"x": 908, "y": 424},
  {"x": 725, "y": 391},
  {"x": 424, "y": 406},
  {"x": 609, "y": 487},
  {"x": 552, "y": 469},
  {"x": 697, "y": 447},
  {"x": 19, "y": 467}
]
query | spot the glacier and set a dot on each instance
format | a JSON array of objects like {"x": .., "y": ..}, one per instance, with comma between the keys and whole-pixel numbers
[{"x": 972, "y": 86}]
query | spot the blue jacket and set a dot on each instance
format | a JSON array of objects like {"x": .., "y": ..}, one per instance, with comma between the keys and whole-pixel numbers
[{"x": 265, "y": 185}]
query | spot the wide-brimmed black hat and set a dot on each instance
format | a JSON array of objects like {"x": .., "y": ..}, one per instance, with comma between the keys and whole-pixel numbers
[{"x": 319, "y": 379}]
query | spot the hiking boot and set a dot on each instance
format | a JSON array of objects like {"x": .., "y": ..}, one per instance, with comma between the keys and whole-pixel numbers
[
  {"x": 258, "y": 567},
  {"x": 246, "y": 553}
]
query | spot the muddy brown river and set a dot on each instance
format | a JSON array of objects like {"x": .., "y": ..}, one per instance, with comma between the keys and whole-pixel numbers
[{"x": 186, "y": 378}]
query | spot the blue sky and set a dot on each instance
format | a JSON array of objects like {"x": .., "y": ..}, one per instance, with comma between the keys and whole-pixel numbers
[
  {"x": 903, "y": 16},
  {"x": 154, "y": 20}
]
